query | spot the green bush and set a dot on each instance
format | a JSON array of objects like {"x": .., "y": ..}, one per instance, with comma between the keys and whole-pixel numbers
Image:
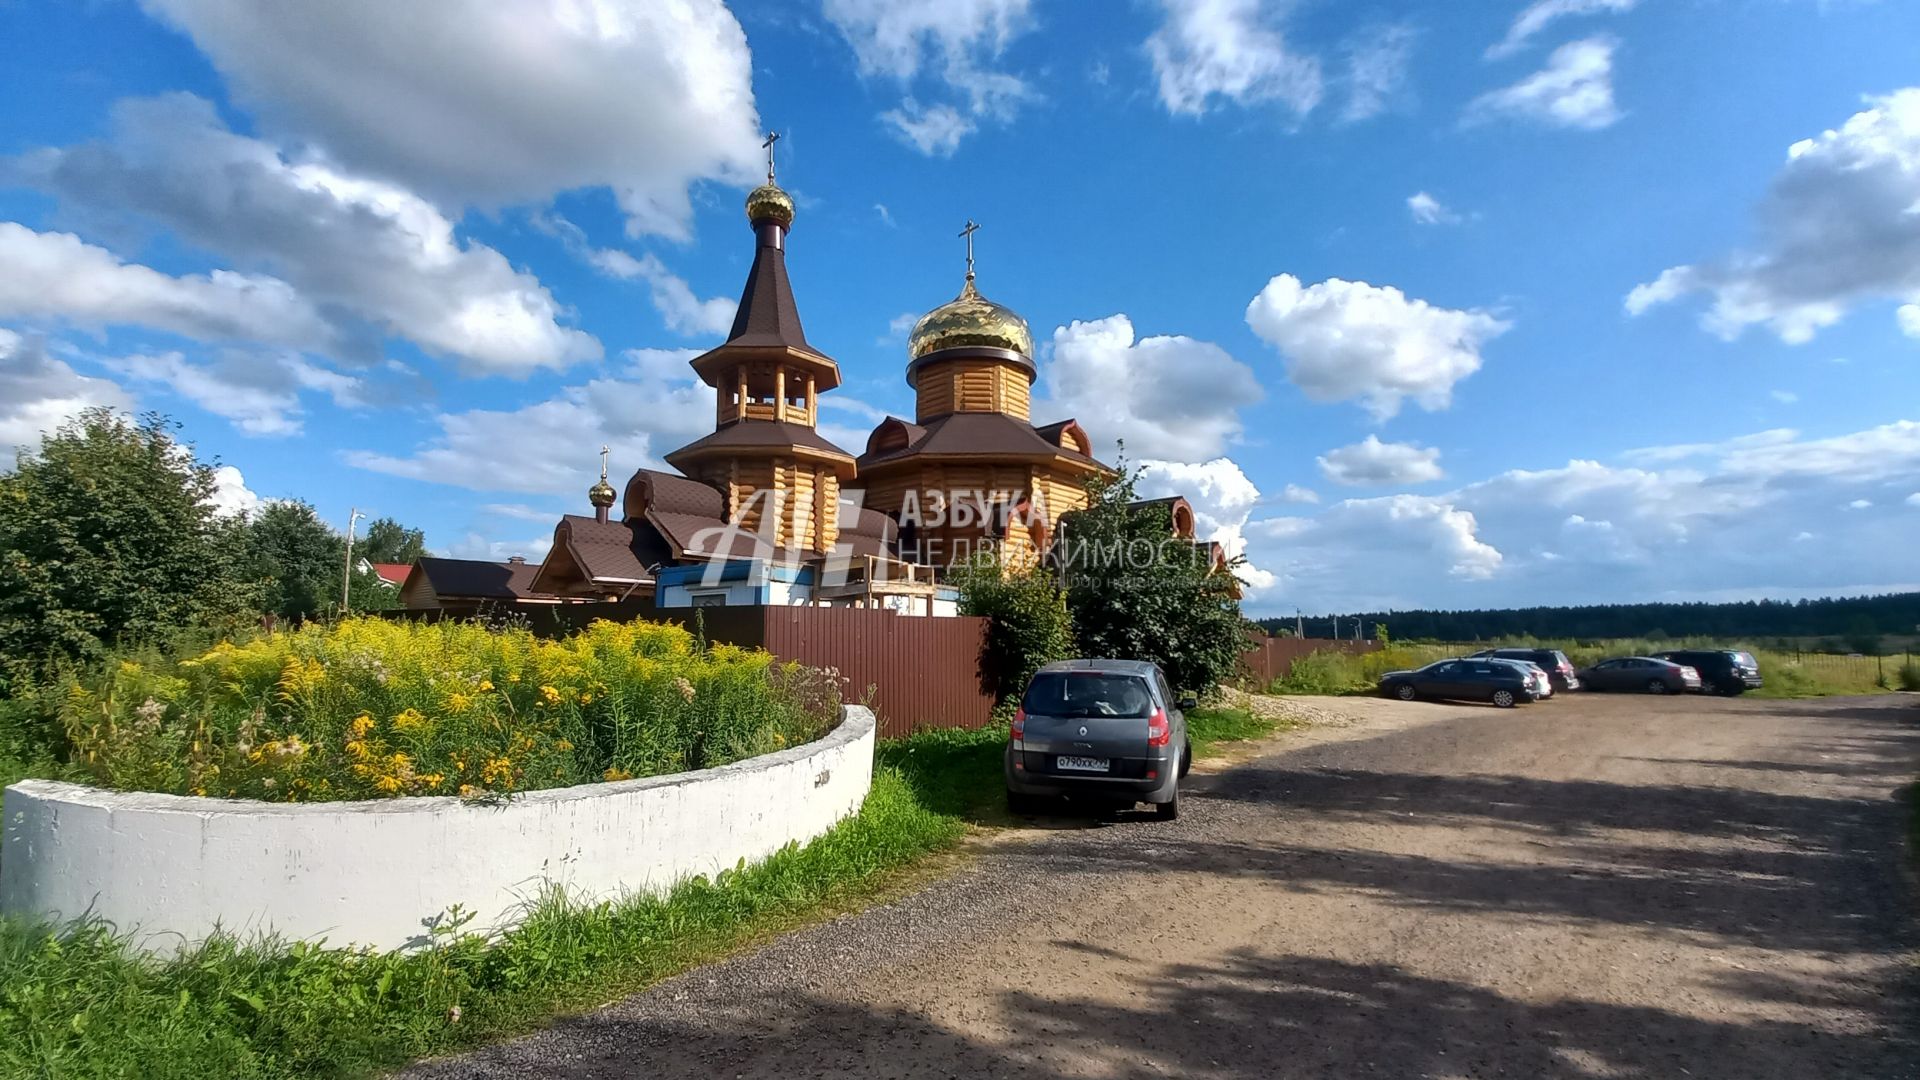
[
  {"x": 1910, "y": 676},
  {"x": 1027, "y": 626},
  {"x": 371, "y": 708}
]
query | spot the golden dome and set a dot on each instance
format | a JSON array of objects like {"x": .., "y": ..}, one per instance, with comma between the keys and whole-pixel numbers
[
  {"x": 970, "y": 320},
  {"x": 602, "y": 493},
  {"x": 768, "y": 203}
]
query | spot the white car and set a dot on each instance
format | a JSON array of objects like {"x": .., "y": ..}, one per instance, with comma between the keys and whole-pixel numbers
[{"x": 1536, "y": 675}]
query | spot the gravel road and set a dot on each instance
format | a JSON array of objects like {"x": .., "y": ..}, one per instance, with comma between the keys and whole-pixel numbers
[{"x": 1598, "y": 886}]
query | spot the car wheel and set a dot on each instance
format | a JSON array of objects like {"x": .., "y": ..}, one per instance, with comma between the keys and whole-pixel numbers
[
  {"x": 1406, "y": 692},
  {"x": 1503, "y": 698},
  {"x": 1656, "y": 686},
  {"x": 1169, "y": 810},
  {"x": 1186, "y": 759}
]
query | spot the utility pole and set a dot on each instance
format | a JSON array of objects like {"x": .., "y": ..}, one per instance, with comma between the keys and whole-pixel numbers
[{"x": 346, "y": 572}]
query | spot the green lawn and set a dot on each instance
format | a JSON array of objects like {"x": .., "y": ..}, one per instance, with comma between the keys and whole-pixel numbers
[{"x": 77, "y": 1002}]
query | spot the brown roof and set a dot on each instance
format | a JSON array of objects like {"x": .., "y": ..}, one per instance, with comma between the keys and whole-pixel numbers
[
  {"x": 757, "y": 435},
  {"x": 969, "y": 433},
  {"x": 767, "y": 314},
  {"x": 656, "y": 490},
  {"x": 607, "y": 552},
  {"x": 479, "y": 578}
]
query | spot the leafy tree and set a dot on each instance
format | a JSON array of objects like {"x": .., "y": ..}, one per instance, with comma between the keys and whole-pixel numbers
[
  {"x": 108, "y": 535},
  {"x": 1028, "y": 623},
  {"x": 300, "y": 558},
  {"x": 389, "y": 541},
  {"x": 1136, "y": 592}
]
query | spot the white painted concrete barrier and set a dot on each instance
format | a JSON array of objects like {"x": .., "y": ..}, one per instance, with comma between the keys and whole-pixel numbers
[{"x": 172, "y": 867}]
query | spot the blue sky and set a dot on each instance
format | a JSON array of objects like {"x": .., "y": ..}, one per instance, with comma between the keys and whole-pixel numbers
[{"x": 1473, "y": 304}]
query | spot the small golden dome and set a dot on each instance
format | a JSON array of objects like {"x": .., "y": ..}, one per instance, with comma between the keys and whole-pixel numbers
[
  {"x": 602, "y": 493},
  {"x": 768, "y": 203},
  {"x": 970, "y": 320}
]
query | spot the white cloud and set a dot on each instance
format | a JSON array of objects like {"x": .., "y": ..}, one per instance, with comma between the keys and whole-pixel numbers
[
  {"x": 553, "y": 445},
  {"x": 1574, "y": 90},
  {"x": 679, "y": 306},
  {"x": 498, "y": 102},
  {"x": 1784, "y": 397},
  {"x": 1427, "y": 210},
  {"x": 1230, "y": 49},
  {"x": 522, "y": 512},
  {"x": 260, "y": 394},
  {"x": 58, "y": 276},
  {"x": 39, "y": 392},
  {"x": 1836, "y": 229},
  {"x": 934, "y": 130},
  {"x": 1294, "y": 493},
  {"x": 886, "y": 215},
  {"x": 1729, "y": 519},
  {"x": 475, "y": 546},
  {"x": 1538, "y": 15},
  {"x": 1170, "y": 398},
  {"x": 1376, "y": 463},
  {"x": 1222, "y": 498},
  {"x": 1377, "y": 65},
  {"x": 372, "y": 252},
  {"x": 952, "y": 46},
  {"x": 1344, "y": 340},
  {"x": 231, "y": 496}
]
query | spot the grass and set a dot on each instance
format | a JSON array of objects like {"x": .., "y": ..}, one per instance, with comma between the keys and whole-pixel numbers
[{"x": 77, "y": 1001}]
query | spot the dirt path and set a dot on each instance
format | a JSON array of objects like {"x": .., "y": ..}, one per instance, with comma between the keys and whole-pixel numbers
[{"x": 1592, "y": 887}]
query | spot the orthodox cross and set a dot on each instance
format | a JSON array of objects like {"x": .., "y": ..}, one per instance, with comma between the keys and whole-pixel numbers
[
  {"x": 772, "y": 137},
  {"x": 603, "y": 464},
  {"x": 972, "y": 227}
]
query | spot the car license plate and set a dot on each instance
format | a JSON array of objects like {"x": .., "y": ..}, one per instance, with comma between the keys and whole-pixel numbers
[{"x": 1083, "y": 764}]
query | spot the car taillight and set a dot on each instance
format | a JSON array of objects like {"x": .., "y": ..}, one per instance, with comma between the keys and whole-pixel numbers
[
  {"x": 1019, "y": 723},
  {"x": 1159, "y": 732}
]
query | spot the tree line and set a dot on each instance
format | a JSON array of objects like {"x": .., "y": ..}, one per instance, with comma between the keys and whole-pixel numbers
[
  {"x": 1852, "y": 621},
  {"x": 109, "y": 537}
]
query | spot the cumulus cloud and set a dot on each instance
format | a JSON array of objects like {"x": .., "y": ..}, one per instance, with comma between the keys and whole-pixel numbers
[
  {"x": 1540, "y": 14},
  {"x": 1233, "y": 50},
  {"x": 231, "y": 496},
  {"x": 1375, "y": 463},
  {"x": 653, "y": 406},
  {"x": 260, "y": 394},
  {"x": 500, "y": 102},
  {"x": 1427, "y": 210},
  {"x": 1347, "y": 340},
  {"x": 377, "y": 255},
  {"x": 39, "y": 392},
  {"x": 60, "y": 277},
  {"x": 950, "y": 47},
  {"x": 1222, "y": 498},
  {"x": 1728, "y": 518},
  {"x": 1294, "y": 493},
  {"x": 1574, "y": 90},
  {"x": 1169, "y": 397},
  {"x": 1837, "y": 228}
]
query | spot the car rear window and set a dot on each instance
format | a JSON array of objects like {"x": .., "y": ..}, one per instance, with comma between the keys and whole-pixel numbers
[{"x": 1087, "y": 693}]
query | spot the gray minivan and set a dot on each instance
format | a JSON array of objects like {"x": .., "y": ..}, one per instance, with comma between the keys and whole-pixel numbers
[{"x": 1104, "y": 729}]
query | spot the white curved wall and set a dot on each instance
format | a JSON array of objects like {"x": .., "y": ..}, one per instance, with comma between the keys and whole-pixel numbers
[{"x": 376, "y": 873}]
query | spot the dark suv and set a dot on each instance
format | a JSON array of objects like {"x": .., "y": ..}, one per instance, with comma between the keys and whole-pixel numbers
[
  {"x": 1558, "y": 668},
  {"x": 1724, "y": 671}
]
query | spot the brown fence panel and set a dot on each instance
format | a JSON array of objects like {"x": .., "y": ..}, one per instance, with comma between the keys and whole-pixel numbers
[
  {"x": 1273, "y": 658},
  {"x": 923, "y": 672}
]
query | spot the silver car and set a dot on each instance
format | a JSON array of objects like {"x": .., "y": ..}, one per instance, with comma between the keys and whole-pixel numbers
[
  {"x": 1537, "y": 677},
  {"x": 1107, "y": 730}
]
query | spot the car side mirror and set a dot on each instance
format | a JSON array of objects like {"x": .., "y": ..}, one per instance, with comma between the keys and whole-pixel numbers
[{"x": 1189, "y": 701}]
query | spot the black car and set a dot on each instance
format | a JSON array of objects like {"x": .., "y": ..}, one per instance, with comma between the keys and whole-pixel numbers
[
  {"x": 1466, "y": 679},
  {"x": 1724, "y": 671},
  {"x": 1559, "y": 669}
]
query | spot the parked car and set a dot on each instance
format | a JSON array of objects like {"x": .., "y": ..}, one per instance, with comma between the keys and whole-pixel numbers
[
  {"x": 1648, "y": 673},
  {"x": 1537, "y": 675},
  {"x": 1558, "y": 667},
  {"x": 1104, "y": 729},
  {"x": 1725, "y": 671},
  {"x": 1504, "y": 683}
]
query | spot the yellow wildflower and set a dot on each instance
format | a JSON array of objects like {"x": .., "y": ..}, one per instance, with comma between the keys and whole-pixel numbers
[
  {"x": 616, "y": 773},
  {"x": 362, "y": 724},
  {"x": 551, "y": 696},
  {"x": 486, "y": 685},
  {"x": 459, "y": 702},
  {"x": 409, "y": 720}
]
